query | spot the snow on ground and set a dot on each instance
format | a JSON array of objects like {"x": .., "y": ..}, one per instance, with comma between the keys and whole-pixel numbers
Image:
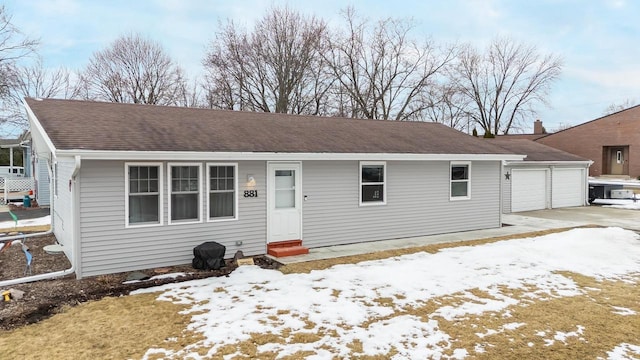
[
  {"x": 45, "y": 220},
  {"x": 624, "y": 351},
  {"x": 356, "y": 302},
  {"x": 628, "y": 205}
]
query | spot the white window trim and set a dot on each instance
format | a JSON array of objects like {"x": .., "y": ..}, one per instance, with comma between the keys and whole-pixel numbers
[
  {"x": 468, "y": 181},
  {"x": 384, "y": 183},
  {"x": 235, "y": 192},
  {"x": 126, "y": 194},
  {"x": 169, "y": 193}
]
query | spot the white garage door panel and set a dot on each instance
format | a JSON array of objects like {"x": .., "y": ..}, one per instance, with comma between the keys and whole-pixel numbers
[
  {"x": 528, "y": 190},
  {"x": 567, "y": 187}
]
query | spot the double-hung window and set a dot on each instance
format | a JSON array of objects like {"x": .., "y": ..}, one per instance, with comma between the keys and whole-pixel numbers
[
  {"x": 372, "y": 183},
  {"x": 460, "y": 181},
  {"x": 222, "y": 188},
  {"x": 144, "y": 199},
  {"x": 184, "y": 193}
]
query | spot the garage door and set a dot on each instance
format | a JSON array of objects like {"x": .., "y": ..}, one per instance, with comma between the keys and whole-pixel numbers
[
  {"x": 567, "y": 187},
  {"x": 528, "y": 190}
]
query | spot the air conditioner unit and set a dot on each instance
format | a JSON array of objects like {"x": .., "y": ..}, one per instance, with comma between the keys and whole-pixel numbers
[{"x": 622, "y": 194}]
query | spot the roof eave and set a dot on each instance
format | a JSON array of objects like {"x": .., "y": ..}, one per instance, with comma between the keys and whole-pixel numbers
[
  {"x": 275, "y": 156},
  {"x": 550, "y": 163},
  {"x": 37, "y": 126}
]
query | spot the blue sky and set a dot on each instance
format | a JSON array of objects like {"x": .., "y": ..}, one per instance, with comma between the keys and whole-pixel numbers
[{"x": 599, "y": 40}]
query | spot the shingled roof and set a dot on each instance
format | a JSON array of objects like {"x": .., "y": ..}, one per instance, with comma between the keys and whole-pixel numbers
[
  {"x": 88, "y": 125},
  {"x": 535, "y": 151}
]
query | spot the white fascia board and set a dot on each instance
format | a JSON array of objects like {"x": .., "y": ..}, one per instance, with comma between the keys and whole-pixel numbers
[
  {"x": 275, "y": 156},
  {"x": 35, "y": 124},
  {"x": 547, "y": 163}
]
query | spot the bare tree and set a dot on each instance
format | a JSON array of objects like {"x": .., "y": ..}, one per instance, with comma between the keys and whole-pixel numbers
[
  {"x": 448, "y": 106},
  {"x": 14, "y": 46},
  {"x": 561, "y": 126},
  {"x": 277, "y": 67},
  {"x": 35, "y": 81},
  {"x": 190, "y": 95},
  {"x": 133, "y": 69},
  {"x": 505, "y": 83},
  {"x": 615, "y": 107},
  {"x": 382, "y": 72}
]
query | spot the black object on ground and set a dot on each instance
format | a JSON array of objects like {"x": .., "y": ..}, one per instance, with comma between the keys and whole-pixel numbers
[{"x": 208, "y": 256}]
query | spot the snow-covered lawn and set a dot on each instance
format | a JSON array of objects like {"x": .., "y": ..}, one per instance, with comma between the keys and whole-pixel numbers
[{"x": 403, "y": 307}]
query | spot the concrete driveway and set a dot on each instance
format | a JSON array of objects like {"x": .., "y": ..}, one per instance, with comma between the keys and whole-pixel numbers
[{"x": 596, "y": 215}]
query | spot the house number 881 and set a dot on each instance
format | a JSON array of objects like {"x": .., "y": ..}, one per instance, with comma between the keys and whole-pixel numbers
[{"x": 251, "y": 193}]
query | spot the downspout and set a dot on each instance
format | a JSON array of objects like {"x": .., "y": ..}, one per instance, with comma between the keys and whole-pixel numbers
[{"x": 74, "y": 245}]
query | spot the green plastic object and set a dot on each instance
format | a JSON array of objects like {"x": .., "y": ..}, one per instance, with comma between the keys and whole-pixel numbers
[{"x": 14, "y": 217}]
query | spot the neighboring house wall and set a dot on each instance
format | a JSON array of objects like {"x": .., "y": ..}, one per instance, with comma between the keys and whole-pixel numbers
[
  {"x": 592, "y": 139},
  {"x": 108, "y": 247},
  {"x": 62, "y": 217},
  {"x": 417, "y": 202}
]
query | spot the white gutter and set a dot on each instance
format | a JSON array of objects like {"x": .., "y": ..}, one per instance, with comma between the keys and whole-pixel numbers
[
  {"x": 538, "y": 163},
  {"x": 276, "y": 156},
  {"x": 54, "y": 274},
  {"x": 76, "y": 168}
]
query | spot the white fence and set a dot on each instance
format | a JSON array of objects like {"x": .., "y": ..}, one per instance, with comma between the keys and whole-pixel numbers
[{"x": 15, "y": 185}]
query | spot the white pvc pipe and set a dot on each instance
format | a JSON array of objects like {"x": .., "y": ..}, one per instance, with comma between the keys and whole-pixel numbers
[
  {"x": 23, "y": 236},
  {"x": 39, "y": 277}
]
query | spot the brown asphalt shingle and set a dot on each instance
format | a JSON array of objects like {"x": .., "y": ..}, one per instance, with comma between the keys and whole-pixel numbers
[
  {"x": 535, "y": 151},
  {"x": 88, "y": 125}
]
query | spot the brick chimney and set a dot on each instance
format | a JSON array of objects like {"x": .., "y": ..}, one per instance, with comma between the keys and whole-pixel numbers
[{"x": 537, "y": 127}]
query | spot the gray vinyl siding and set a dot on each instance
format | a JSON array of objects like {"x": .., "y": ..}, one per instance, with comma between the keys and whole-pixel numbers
[
  {"x": 506, "y": 191},
  {"x": 62, "y": 211},
  {"x": 42, "y": 155},
  {"x": 417, "y": 196},
  {"x": 43, "y": 183},
  {"x": 108, "y": 247}
]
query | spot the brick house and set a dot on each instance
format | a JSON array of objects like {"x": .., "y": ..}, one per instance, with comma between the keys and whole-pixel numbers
[{"x": 612, "y": 142}]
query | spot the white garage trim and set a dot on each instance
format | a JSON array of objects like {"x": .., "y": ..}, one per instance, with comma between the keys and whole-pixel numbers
[
  {"x": 567, "y": 187},
  {"x": 529, "y": 189}
]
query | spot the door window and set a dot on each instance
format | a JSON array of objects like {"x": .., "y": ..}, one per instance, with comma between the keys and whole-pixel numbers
[{"x": 285, "y": 189}]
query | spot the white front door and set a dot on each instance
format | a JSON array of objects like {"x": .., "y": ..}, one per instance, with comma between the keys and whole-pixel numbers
[{"x": 284, "y": 203}]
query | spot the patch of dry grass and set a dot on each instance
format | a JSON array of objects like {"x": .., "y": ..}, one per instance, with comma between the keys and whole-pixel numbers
[
  {"x": 111, "y": 328},
  {"x": 306, "y": 267},
  {"x": 26, "y": 229},
  {"x": 542, "y": 320}
]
